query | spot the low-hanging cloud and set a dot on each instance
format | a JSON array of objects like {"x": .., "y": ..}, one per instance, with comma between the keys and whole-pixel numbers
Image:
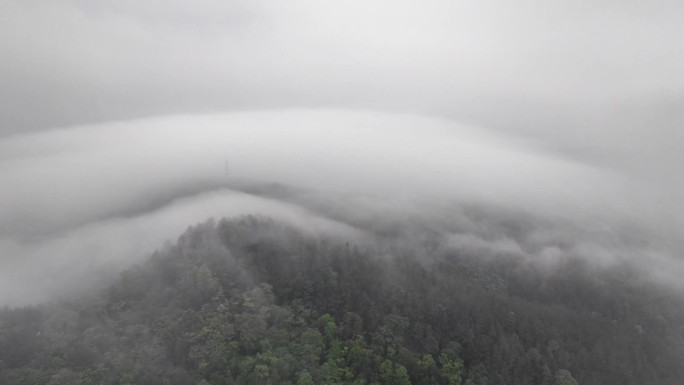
[
  {"x": 64, "y": 177},
  {"x": 62, "y": 264},
  {"x": 81, "y": 203}
]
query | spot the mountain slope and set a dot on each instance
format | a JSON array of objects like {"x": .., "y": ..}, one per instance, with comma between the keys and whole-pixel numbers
[{"x": 253, "y": 301}]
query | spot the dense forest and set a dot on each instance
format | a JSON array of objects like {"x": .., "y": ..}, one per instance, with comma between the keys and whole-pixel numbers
[{"x": 254, "y": 301}]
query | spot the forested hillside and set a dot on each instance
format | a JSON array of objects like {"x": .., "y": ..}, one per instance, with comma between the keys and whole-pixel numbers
[{"x": 253, "y": 301}]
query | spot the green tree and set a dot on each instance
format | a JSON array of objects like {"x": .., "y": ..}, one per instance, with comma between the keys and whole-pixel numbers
[
  {"x": 563, "y": 377},
  {"x": 451, "y": 369},
  {"x": 386, "y": 372},
  {"x": 401, "y": 376},
  {"x": 304, "y": 378}
]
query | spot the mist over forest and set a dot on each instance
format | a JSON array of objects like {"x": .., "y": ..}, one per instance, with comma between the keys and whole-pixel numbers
[{"x": 358, "y": 192}]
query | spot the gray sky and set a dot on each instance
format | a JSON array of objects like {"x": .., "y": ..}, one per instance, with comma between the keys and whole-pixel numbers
[
  {"x": 88, "y": 61},
  {"x": 596, "y": 79},
  {"x": 568, "y": 107}
]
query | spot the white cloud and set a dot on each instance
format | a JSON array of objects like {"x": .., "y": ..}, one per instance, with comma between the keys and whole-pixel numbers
[{"x": 81, "y": 200}]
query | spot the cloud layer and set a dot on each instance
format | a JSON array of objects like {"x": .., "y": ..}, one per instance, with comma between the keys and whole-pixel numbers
[{"x": 81, "y": 202}]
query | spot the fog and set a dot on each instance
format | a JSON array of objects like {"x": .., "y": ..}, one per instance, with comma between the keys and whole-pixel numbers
[
  {"x": 80, "y": 204},
  {"x": 123, "y": 122}
]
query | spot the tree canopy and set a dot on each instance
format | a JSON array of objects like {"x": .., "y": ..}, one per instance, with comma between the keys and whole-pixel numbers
[{"x": 252, "y": 301}]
